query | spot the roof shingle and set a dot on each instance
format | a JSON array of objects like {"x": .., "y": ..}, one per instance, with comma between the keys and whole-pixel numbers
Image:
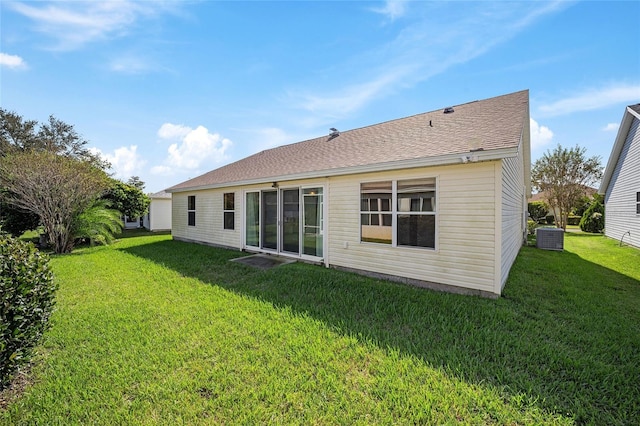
[{"x": 490, "y": 124}]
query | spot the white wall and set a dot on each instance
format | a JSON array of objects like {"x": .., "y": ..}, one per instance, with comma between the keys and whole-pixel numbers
[
  {"x": 159, "y": 216},
  {"x": 620, "y": 199}
]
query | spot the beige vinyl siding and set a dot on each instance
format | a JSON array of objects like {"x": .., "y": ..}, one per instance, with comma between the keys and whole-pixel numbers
[
  {"x": 209, "y": 218},
  {"x": 465, "y": 228},
  {"x": 620, "y": 198},
  {"x": 513, "y": 219}
]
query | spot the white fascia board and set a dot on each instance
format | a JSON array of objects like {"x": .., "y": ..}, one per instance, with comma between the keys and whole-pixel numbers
[
  {"x": 621, "y": 138},
  {"x": 443, "y": 160}
]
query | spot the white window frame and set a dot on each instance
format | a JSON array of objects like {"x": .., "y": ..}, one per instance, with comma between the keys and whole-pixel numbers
[
  {"x": 395, "y": 212},
  {"x": 225, "y": 211},
  {"x": 189, "y": 210}
]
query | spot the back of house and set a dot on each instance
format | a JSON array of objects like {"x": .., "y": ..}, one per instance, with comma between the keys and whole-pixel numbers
[{"x": 437, "y": 199}]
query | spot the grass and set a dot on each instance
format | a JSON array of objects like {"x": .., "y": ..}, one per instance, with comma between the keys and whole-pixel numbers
[{"x": 155, "y": 331}]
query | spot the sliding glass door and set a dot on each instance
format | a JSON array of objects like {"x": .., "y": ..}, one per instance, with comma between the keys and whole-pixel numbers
[
  {"x": 291, "y": 220},
  {"x": 287, "y": 221},
  {"x": 269, "y": 220},
  {"x": 312, "y": 227}
]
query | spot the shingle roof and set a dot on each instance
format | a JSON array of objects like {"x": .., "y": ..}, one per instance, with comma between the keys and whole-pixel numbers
[
  {"x": 635, "y": 107},
  {"x": 490, "y": 124},
  {"x": 160, "y": 194}
]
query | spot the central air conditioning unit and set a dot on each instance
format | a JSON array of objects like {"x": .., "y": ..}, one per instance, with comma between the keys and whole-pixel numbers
[{"x": 550, "y": 238}]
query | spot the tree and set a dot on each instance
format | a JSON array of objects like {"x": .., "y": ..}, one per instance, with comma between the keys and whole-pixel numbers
[
  {"x": 47, "y": 170},
  {"x": 562, "y": 174},
  {"x": 56, "y": 136},
  {"x": 128, "y": 199},
  {"x": 136, "y": 182},
  {"x": 55, "y": 187}
]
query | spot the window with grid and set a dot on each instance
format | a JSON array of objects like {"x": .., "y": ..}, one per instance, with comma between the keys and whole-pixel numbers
[
  {"x": 400, "y": 213},
  {"x": 229, "y": 210},
  {"x": 191, "y": 210}
]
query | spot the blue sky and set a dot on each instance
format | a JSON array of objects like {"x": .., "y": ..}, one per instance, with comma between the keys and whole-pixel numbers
[{"x": 169, "y": 90}]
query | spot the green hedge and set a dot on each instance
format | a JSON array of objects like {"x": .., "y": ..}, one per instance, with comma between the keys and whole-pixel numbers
[
  {"x": 27, "y": 291},
  {"x": 593, "y": 218},
  {"x": 573, "y": 220}
]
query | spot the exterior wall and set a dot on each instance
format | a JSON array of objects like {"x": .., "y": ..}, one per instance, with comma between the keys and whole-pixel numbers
[
  {"x": 513, "y": 220},
  {"x": 159, "y": 217},
  {"x": 468, "y": 225},
  {"x": 465, "y": 228},
  {"x": 209, "y": 226},
  {"x": 620, "y": 199}
]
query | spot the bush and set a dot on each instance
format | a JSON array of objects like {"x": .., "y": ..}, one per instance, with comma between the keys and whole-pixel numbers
[
  {"x": 538, "y": 210},
  {"x": 551, "y": 219},
  {"x": 27, "y": 294},
  {"x": 531, "y": 227},
  {"x": 573, "y": 220},
  {"x": 593, "y": 218}
]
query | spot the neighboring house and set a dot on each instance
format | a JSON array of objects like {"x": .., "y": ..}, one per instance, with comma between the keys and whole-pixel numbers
[
  {"x": 132, "y": 222},
  {"x": 437, "y": 199},
  {"x": 159, "y": 216},
  {"x": 621, "y": 181}
]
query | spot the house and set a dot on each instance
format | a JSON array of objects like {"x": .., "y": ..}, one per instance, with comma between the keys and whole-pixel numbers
[
  {"x": 437, "y": 199},
  {"x": 621, "y": 181},
  {"x": 159, "y": 216}
]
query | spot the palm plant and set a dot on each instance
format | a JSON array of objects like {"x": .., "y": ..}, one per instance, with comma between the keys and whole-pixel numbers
[{"x": 99, "y": 223}]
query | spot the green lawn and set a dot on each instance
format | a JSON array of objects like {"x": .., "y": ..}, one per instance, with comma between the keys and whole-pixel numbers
[{"x": 154, "y": 331}]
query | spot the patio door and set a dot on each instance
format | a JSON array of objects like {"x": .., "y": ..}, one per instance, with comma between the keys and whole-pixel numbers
[
  {"x": 288, "y": 221},
  {"x": 269, "y": 220}
]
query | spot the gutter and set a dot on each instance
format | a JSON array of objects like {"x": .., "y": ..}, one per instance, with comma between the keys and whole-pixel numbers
[{"x": 449, "y": 159}]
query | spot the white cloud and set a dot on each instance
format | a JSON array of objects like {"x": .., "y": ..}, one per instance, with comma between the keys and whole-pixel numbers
[
  {"x": 439, "y": 37},
  {"x": 194, "y": 148},
  {"x": 392, "y": 9},
  {"x": 540, "y": 135},
  {"x": 173, "y": 131},
  {"x": 125, "y": 161},
  {"x": 611, "y": 127},
  {"x": 593, "y": 99},
  {"x": 12, "y": 61},
  {"x": 74, "y": 24}
]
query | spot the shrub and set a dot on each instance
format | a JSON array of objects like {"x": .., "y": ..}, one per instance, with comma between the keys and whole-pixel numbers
[
  {"x": 27, "y": 294},
  {"x": 593, "y": 218},
  {"x": 551, "y": 219},
  {"x": 573, "y": 220},
  {"x": 538, "y": 210},
  {"x": 531, "y": 227}
]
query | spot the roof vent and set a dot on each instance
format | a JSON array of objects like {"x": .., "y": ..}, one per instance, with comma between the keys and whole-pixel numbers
[
  {"x": 334, "y": 133},
  {"x": 448, "y": 110}
]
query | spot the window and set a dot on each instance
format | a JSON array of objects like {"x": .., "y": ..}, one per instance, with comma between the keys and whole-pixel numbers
[
  {"x": 416, "y": 213},
  {"x": 400, "y": 213},
  {"x": 229, "y": 210},
  {"x": 375, "y": 212},
  {"x": 191, "y": 210},
  {"x": 637, "y": 202}
]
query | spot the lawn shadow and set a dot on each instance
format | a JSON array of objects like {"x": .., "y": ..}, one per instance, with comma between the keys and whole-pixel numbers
[{"x": 564, "y": 337}]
